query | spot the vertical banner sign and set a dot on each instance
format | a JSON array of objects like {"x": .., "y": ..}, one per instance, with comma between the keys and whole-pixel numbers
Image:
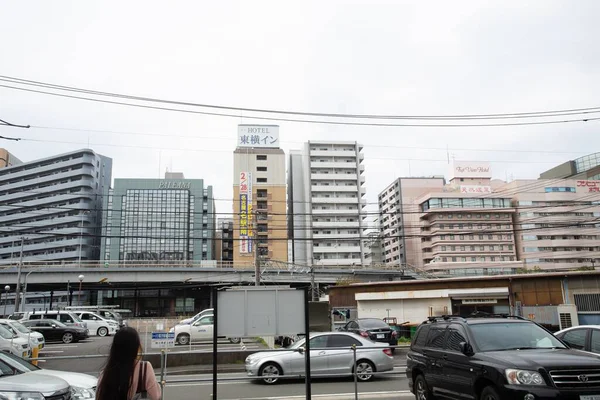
[
  {"x": 250, "y": 217},
  {"x": 244, "y": 241}
]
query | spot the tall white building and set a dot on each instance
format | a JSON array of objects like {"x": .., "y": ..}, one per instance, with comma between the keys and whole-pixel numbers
[{"x": 325, "y": 202}]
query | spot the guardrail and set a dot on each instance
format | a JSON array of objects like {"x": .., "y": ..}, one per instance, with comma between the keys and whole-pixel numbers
[{"x": 159, "y": 360}]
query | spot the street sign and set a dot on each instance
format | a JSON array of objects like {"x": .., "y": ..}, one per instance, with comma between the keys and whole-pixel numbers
[{"x": 162, "y": 340}]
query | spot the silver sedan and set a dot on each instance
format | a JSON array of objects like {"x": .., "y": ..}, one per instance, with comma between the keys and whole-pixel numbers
[{"x": 330, "y": 354}]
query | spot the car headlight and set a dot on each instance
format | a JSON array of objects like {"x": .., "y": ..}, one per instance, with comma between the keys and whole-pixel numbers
[
  {"x": 172, "y": 330},
  {"x": 522, "y": 377},
  {"x": 82, "y": 393},
  {"x": 17, "y": 346},
  {"x": 21, "y": 396},
  {"x": 251, "y": 361}
]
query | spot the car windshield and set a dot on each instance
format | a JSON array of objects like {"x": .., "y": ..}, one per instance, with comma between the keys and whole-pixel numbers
[
  {"x": 5, "y": 333},
  {"x": 500, "y": 336},
  {"x": 373, "y": 323},
  {"x": 76, "y": 318},
  {"x": 17, "y": 363},
  {"x": 20, "y": 327}
]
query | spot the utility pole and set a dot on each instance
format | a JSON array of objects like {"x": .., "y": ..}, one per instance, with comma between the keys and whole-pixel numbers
[
  {"x": 313, "y": 287},
  {"x": 18, "y": 287},
  {"x": 256, "y": 255}
]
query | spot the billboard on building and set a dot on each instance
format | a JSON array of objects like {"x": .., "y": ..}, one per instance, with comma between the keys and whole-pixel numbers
[
  {"x": 470, "y": 169},
  {"x": 266, "y": 136},
  {"x": 245, "y": 212}
]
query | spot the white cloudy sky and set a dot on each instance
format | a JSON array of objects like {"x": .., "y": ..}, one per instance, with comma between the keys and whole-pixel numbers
[{"x": 323, "y": 56}]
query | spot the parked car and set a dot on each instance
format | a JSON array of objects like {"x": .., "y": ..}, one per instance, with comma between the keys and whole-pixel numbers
[
  {"x": 35, "y": 339},
  {"x": 585, "y": 337},
  {"x": 198, "y": 331},
  {"x": 57, "y": 331},
  {"x": 66, "y": 317},
  {"x": 496, "y": 358},
  {"x": 330, "y": 354},
  {"x": 188, "y": 321},
  {"x": 35, "y": 387},
  {"x": 83, "y": 386},
  {"x": 372, "y": 328},
  {"x": 96, "y": 324},
  {"x": 13, "y": 344}
]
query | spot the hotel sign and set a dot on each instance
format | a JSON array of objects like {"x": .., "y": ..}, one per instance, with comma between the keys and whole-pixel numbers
[
  {"x": 470, "y": 169},
  {"x": 593, "y": 186},
  {"x": 265, "y": 136},
  {"x": 174, "y": 185},
  {"x": 246, "y": 231}
]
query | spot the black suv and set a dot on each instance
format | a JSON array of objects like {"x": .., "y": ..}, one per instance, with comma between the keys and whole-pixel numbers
[{"x": 496, "y": 358}]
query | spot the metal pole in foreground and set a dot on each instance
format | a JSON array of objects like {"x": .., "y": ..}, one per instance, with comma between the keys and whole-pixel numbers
[
  {"x": 307, "y": 344},
  {"x": 163, "y": 362},
  {"x": 215, "y": 339},
  {"x": 18, "y": 287},
  {"x": 355, "y": 373}
]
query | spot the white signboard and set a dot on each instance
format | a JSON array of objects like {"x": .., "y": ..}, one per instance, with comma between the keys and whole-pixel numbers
[
  {"x": 245, "y": 212},
  {"x": 474, "y": 189},
  {"x": 260, "y": 311},
  {"x": 162, "y": 340},
  {"x": 470, "y": 169},
  {"x": 480, "y": 301},
  {"x": 258, "y": 136}
]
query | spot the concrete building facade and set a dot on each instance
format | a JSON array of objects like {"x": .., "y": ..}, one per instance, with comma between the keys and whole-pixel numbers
[
  {"x": 557, "y": 222},
  {"x": 585, "y": 168},
  {"x": 55, "y": 206},
  {"x": 325, "y": 202},
  {"x": 224, "y": 242},
  {"x": 163, "y": 221},
  {"x": 259, "y": 193},
  {"x": 399, "y": 219}
]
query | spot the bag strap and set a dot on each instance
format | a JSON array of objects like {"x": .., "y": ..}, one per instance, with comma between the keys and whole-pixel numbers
[{"x": 142, "y": 378}]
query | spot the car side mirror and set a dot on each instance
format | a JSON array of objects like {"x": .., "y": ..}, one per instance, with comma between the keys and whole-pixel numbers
[
  {"x": 54, "y": 325},
  {"x": 466, "y": 349},
  {"x": 301, "y": 350}
]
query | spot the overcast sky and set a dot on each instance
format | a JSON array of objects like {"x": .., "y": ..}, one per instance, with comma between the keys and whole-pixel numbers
[{"x": 322, "y": 56}]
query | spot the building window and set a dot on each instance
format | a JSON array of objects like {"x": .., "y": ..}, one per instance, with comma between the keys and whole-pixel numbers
[
  {"x": 444, "y": 259},
  {"x": 442, "y": 237},
  {"x": 443, "y": 248},
  {"x": 469, "y": 216},
  {"x": 490, "y": 237},
  {"x": 463, "y": 259},
  {"x": 459, "y": 216},
  {"x": 462, "y": 248},
  {"x": 473, "y": 259},
  {"x": 482, "y": 248},
  {"x": 262, "y": 169},
  {"x": 261, "y": 157},
  {"x": 261, "y": 180},
  {"x": 492, "y": 248},
  {"x": 472, "y": 248},
  {"x": 453, "y": 248},
  {"x": 453, "y": 259},
  {"x": 471, "y": 237},
  {"x": 492, "y": 258},
  {"x": 451, "y": 237}
]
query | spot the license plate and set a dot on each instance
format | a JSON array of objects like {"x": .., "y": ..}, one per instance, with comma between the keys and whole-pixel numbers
[
  {"x": 590, "y": 397},
  {"x": 380, "y": 336}
]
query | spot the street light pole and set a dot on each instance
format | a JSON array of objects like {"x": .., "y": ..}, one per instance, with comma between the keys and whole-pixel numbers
[
  {"x": 24, "y": 302},
  {"x": 80, "y": 277},
  {"x": 18, "y": 287},
  {"x": 6, "y": 289},
  {"x": 81, "y": 237}
]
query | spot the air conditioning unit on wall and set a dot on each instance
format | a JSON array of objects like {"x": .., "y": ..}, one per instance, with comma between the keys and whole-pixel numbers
[{"x": 567, "y": 316}]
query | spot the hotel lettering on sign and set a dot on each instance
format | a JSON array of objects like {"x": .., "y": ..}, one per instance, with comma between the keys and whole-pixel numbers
[
  {"x": 593, "y": 186},
  {"x": 246, "y": 231},
  {"x": 265, "y": 136}
]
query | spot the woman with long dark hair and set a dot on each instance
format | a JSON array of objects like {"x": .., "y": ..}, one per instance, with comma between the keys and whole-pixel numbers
[{"x": 125, "y": 376}]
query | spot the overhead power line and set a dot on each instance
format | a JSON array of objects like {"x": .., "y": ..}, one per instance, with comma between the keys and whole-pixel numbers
[
  {"x": 308, "y": 121},
  {"x": 532, "y": 114}
]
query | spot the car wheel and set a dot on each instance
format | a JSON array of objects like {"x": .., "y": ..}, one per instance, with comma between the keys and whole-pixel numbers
[
  {"x": 489, "y": 393},
  {"x": 364, "y": 370},
  {"x": 235, "y": 340},
  {"x": 422, "y": 391},
  {"x": 67, "y": 337},
  {"x": 183, "y": 339},
  {"x": 270, "y": 373},
  {"x": 102, "y": 331}
]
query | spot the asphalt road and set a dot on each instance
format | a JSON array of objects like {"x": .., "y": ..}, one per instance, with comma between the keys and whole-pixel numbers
[
  {"x": 394, "y": 386},
  {"x": 89, "y": 356}
]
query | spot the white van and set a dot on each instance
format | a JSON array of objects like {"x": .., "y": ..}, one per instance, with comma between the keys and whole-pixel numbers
[
  {"x": 96, "y": 324},
  {"x": 36, "y": 339},
  {"x": 13, "y": 344},
  {"x": 66, "y": 317}
]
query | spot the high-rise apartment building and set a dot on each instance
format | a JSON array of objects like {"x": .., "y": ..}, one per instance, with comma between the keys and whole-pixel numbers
[
  {"x": 159, "y": 221},
  {"x": 7, "y": 159},
  {"x": 399, "y": 218},
  {"x": 259, "y": 193},
  {"x": 325, "y": 202},
  {"x": 52, "y": 208}
]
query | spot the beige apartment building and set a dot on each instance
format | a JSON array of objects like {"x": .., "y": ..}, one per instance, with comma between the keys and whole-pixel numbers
[
  {"x": 7, "y": 159},
  {"x": 259, "y": 193},
  {"x": 557, "y": 222}
]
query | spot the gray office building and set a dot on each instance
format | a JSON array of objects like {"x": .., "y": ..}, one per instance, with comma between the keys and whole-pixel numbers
[
  {"x": 52, "y": 208},
  {"x": 163, "y": 221}
]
